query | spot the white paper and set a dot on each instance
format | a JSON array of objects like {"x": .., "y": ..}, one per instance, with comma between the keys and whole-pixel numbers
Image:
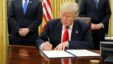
[
  {"x": 57, "y": 54},
  {"x": 83, "y": 53}
]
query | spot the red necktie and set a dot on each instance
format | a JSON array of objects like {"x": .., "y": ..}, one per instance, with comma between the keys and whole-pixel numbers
[
  {"x": 65, "y": 35},
  {"x": 65, "y": 38}
]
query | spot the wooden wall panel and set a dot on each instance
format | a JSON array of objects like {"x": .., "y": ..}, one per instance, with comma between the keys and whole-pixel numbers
[{"x": 3, "y": 33}]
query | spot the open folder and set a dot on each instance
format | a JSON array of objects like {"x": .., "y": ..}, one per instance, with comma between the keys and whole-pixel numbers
[{"x": 69, "y": 53}]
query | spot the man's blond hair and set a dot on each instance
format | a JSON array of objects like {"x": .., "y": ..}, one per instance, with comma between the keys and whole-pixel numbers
[{"x": 69, "y": 7}]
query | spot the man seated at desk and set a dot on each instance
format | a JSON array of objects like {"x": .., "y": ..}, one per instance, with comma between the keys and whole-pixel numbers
[
  {"x": 66, "y": 32},
  {"x": 54, "y": 35}
]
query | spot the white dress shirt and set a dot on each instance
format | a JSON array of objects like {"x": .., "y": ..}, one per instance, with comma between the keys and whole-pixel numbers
[{"x": 97, "y": 0}]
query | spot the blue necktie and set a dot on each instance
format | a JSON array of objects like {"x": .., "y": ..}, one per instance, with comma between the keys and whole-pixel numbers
[
  {"x": 25, "y": 6},
  {"x": 96, "y": 3}
]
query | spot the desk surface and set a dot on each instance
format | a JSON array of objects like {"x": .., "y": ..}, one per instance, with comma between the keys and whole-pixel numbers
[{"x": 34, "y": 56}]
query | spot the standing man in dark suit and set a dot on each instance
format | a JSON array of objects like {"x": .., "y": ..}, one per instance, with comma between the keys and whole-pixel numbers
[
  {"x": 99, "y": 11},
  {"x": 79, "y": 35},
  {"x": 24, "y": 17}
]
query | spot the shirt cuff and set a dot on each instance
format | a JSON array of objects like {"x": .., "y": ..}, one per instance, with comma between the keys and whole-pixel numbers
[
  {"x": 102, "y": 25},
  {"x": 41, "y": 46}
]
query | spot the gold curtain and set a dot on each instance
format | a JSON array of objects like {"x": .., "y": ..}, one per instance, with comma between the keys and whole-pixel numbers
[
  {"x": 56, "y": 7},
  {"x": 110, "y": 32},
  {"x": 3, "y": 32}
]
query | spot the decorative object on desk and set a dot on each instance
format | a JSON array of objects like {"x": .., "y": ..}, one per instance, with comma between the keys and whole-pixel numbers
[
  {"x": 94, "y": 61},
  {"x": 108, "y": 38},
  {"x": 106, "y": 48}
]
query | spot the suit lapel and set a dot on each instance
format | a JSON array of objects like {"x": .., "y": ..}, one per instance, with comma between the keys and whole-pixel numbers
[
  {"x": 21, "y": 5},
  {"x": 100, "y": 3},
  {"x": 75, "y": 30},
  {"x": 29, "y": 6},
  {"x": 93, "y": 4}
]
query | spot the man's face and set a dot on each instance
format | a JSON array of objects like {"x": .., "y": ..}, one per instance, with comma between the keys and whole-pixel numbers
[{"x": 67, "y": 18}]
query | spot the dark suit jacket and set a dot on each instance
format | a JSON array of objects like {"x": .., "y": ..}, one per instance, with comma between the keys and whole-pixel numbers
[
  {"x": 100, "y": 15},
  {"x": 80, "y": 36},
  {"x": 32, "y": 19}
]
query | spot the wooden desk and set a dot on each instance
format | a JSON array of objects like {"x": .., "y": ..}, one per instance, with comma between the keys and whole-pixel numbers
[{"x": 35, "y": 58}]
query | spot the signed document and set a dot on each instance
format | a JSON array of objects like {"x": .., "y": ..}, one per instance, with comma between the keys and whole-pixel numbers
[
  {"x": 57, "y": 54},
  {"x": 82, "y": 53}
]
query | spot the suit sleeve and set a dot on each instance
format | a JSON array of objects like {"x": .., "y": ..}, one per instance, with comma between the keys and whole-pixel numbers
[
  {"x": 43, "y": 36},
  {"x": 38, "y": 21},
  {"x": 107, "y": 13},
  {"x": 85, "y": 43},
  {"x": 14, "y": 26}
]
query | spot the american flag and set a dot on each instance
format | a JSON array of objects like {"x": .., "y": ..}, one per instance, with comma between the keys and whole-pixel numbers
[{"x": 47, "y": 12}]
